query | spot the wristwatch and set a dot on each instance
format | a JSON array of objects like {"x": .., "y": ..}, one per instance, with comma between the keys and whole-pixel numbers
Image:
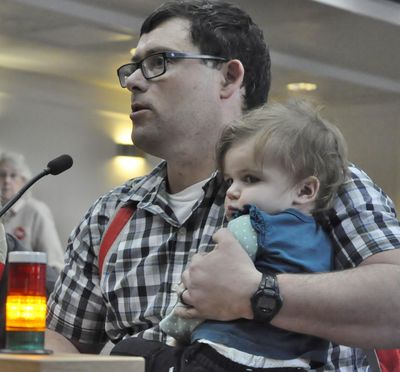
[{"x": 267, "y": 301}]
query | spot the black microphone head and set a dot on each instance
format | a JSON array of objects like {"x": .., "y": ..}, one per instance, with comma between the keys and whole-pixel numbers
[{"x": 59, "y": 164}]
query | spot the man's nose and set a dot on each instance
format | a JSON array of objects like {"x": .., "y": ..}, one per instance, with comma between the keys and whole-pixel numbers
[{"x": 135, "y": 81}]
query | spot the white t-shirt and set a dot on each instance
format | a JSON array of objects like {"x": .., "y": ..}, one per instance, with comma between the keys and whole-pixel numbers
[{"x": 182, "y": 202}]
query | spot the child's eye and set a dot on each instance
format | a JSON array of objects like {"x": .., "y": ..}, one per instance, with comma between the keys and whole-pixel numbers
[{"x": 250, "y": 179}]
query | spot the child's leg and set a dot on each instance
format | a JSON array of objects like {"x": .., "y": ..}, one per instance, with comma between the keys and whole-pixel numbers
[{"x": 159, "y": 357}]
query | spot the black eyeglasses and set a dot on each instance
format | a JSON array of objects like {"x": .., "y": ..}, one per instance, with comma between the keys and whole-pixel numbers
[{"x": 155, "y": 64}]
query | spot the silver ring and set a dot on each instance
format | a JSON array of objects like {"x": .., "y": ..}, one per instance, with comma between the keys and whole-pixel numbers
[{"x": 181, "y": 297}]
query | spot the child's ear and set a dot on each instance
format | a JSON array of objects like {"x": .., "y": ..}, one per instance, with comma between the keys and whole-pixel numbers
[
  {"x": 307, "y": 190},
  {"x": 232, "y": 77}
]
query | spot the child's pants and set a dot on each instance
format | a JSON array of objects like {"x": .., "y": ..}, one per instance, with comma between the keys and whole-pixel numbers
[{"x": 197, "y": 357}]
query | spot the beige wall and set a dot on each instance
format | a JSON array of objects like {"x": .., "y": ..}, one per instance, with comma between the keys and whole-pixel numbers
[
  {"x": 44, "y": 117},
  {"x": 374, "y": 144}
]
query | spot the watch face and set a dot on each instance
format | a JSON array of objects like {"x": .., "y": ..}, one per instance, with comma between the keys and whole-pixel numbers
[{"x": 266, "y": 304}]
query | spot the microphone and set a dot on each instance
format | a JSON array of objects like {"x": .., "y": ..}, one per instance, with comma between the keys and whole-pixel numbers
[
  {"x": 54, "y": 167},
  {"x": 58, "y": 165}
]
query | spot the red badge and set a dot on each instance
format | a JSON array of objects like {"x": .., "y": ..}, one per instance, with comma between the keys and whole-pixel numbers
[{"x": 19, "y": 233}]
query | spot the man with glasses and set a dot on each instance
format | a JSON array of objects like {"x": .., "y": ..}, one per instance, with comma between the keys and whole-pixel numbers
[
  {"x": 155, "y": 65},
  {"x": 199, "y": 65}
]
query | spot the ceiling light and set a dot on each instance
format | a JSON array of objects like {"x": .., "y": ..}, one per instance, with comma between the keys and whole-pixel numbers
[{"x": 296, "y": 87}]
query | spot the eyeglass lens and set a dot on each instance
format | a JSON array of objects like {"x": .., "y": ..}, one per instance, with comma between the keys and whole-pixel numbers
[{"x": 151, "y": 67}]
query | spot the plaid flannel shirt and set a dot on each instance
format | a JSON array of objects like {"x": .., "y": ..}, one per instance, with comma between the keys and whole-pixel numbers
[{"x": 136, "y": 289}]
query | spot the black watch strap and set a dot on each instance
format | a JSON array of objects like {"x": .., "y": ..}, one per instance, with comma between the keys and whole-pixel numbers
[{"x": 266, "y": 302}]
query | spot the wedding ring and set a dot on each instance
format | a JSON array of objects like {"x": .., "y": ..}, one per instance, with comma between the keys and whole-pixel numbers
[{"x": 181, "y": 297}]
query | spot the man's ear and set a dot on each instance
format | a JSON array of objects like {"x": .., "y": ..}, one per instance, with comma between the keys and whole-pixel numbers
[
  {"x": 232, "y": 79},
  {"x": 307, "y": 190}
]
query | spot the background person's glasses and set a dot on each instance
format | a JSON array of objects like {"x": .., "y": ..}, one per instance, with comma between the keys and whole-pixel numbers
[
  {"x": 155, "y": 65},
  {"x": 4, "y": 175}
]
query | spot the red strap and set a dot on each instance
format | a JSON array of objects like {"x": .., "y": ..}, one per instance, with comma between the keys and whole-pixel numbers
[
  {"x": 1, "y": 269},
  {"x": 114, "y": 228},
  {"x": 389, "y": 359}
]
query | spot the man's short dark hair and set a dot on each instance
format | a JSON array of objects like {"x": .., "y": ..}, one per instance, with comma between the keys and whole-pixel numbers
[{"x": 222, "y": 29}]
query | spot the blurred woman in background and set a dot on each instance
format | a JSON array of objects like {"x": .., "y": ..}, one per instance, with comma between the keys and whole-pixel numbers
[{"x": 29, "y": 219}]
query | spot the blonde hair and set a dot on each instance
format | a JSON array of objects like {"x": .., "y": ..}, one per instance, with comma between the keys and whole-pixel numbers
[{"x": 294, "y": 136}]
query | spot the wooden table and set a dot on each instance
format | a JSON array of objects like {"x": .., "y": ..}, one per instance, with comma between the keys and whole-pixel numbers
[{"x": 59, "y": 362}]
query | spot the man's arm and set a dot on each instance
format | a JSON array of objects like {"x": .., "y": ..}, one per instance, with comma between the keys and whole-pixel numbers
[
  {"x": 59, "y": 344},
  {"x": 359, "y": 306}
]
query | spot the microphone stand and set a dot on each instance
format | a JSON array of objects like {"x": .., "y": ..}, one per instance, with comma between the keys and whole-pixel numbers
[{"x": 11, "y": 202}]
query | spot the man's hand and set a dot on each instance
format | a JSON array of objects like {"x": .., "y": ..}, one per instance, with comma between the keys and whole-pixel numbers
[{"x": 219, "y": 284}]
